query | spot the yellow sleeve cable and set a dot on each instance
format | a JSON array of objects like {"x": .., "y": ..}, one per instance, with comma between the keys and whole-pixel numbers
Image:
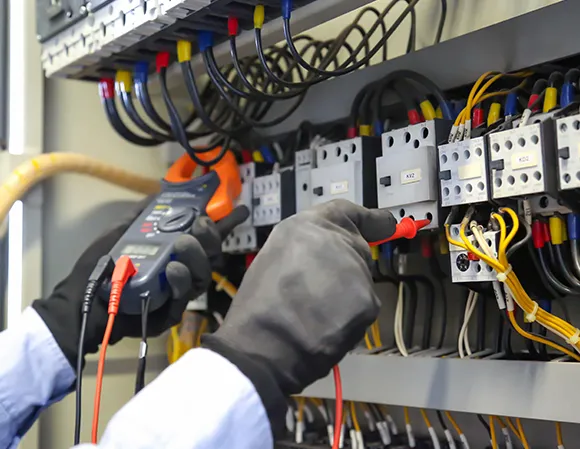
[
  {"x": 376, "y": 332},
  {"x": 426, "y": 418},
  {"x": 368, "y": 343},
  {"x": 301, "y": 402},
  {"x": 354, "y": 417},
  {"x": 512, "y": 427},
  {"x": 454, "y": 423},
  {"x": 200, "y": 332},
  {"x": 407, "y": 417},
  {"x": 556, "y": 325},
  {"x": 559, "y": 437},
  {"x": 492, "y": 433},
  {"x": 522, "y": 434}
]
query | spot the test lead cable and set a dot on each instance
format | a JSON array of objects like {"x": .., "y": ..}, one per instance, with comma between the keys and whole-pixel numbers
[
  {"x": 142, "y": 364},
  {"x": 101, "y": 273},
  {"x": 124, "y": 270}
]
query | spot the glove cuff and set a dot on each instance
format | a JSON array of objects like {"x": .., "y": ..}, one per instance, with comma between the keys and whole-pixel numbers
[{"x": 261, "y": 377}]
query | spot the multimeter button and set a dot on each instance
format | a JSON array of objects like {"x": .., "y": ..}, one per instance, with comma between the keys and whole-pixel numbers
[{"x": 178, "y": 219}]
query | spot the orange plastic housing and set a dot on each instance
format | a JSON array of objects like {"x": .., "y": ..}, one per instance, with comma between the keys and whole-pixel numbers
[{"x": 222, "y": 202}]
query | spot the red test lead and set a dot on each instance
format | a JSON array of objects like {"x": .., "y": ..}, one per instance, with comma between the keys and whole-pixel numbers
[{"x": 407, "y": 228}]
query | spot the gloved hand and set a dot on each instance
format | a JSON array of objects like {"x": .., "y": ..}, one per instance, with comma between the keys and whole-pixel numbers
[
  {"x": 306, "y": 300},
  {"x": 188, "y": 276}
]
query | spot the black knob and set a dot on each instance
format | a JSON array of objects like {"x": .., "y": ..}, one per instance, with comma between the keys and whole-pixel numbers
[{"x": 178, "y": 219}]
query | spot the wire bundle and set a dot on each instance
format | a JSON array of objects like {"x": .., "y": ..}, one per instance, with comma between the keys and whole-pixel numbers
[{"x": 514, "y": 290}]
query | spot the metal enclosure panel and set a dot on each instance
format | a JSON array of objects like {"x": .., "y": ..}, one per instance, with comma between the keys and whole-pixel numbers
[
  {"x": 3, "y": 74},
  {"x": 463, "y": 172},
  {"x": 244, "y": 237},
  {"x": 305, "y": 161},
  {"x": 407, "y": 172},
  {"x": 267, "y": 200},
  {"x": 526, "y": 155},
  {"x": 465, "y": 270},
  {"x": 568, "y": 138},
  {"x": 340, "y": 181}
]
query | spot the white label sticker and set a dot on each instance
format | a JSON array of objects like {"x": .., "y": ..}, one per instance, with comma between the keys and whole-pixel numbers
[
  {"x": 336, "y": 188},
  {"x": 524, "y": 160},
  {"x": 410, "y": 435},
  {"x": 410, "y": 176},
  {"x": 271, "y": 199},
  {"x": 470, "y": 171}
]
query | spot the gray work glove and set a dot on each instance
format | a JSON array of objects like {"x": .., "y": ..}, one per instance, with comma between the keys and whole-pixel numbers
[{"x": 306, "y": 301}]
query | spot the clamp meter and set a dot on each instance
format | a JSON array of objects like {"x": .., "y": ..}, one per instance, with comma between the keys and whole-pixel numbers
[{"x": 150, "y": 238}]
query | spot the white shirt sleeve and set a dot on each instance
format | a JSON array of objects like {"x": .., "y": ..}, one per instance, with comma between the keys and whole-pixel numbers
[{"x": 200, "y": 402}]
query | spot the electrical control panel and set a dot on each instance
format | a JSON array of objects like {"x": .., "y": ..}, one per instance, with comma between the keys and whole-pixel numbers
[
  {"x": 244, "y": 236},
  {"x": 274, "y": 197},
  {"x": 345, "y": 170},
  {"x": 522, "y": 161},
  {"x": 463, "y": 172},
  {"x": 568, "y": 152},
  {"x": 465, "y": 267},
  {"x": 407, "y": 172},
  {"x": 305, "y": 161}
]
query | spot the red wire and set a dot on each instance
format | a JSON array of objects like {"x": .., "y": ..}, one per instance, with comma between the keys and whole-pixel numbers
[
  {"x": 100, "y": 372},
  {"x": 338, "y": 411}
]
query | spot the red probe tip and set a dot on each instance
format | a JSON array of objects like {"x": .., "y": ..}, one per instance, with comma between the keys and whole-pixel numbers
[{"x": 407, "y": 228}]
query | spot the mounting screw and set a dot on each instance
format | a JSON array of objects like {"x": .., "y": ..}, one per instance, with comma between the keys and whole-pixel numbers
[{"x": 83, "y": 10}]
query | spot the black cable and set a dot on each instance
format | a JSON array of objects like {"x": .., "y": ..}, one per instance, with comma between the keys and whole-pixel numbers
[
  {"x": 103, "y": 270},
  {"x": 554, "y": 282},
  {"x": 484, "y": 423},
  {"x": 530, "y": 343},
  {"x": 561, "y": 263},
  {"x": 441, "y": 421},
  {"x": 142, "y": 365},
  {"x": 441, "y": 21},
  {"x": 118, "y": 125},
  {"x": 131, "y": 111},
  {"x": 412, "y": 43},
  {"x": 542, "y": 273}
]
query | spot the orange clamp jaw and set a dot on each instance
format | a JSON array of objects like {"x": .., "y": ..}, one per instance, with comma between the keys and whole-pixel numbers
[
  {"x": 223, "y": 201},
  {"x": 407, "y": 228}
]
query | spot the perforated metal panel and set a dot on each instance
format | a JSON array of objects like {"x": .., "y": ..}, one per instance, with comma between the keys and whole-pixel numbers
[
  {"x": 522, "y": 160},
  {"x": 305, "y": 161},
  {"x": 463, "y": 172},
  {"x": 274, "y": 198}
]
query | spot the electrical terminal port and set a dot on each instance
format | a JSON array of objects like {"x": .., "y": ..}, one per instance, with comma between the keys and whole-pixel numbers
[
  {"x": 465, "y": 266},
  {"x": 568, "y": 152}
]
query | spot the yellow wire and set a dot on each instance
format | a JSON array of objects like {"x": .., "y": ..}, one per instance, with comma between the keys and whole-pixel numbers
[
  {"x": 407, "y": 418},
  {"x": 522, "y": 434},
  {"x": 317, "y": 402},
  {"x": 354, "y": 417},
  {"x": 301, "y": 402},
  {"x": 376, "y": 330},
  {"x": 426, "y": 418},
  {"x": 513, "y": 429},
  {"x": 226, "y": 285},
  {"x": 454, "y": 423},
  {"x": 559, "y": 434},
  {"x": 492, "y": 433},
  {"x": 368, "y": 341}
]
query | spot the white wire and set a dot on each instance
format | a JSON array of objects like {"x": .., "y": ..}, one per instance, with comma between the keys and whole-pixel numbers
[
  {"x": 399, "y": 338},
  {"x": 463, "y": 341}
]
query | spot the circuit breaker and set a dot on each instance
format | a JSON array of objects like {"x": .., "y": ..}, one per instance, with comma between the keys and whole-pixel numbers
[
  {"x": 407, "y": 172},
  {"x": 522, "y": 161},
  {"x": 568, "y": 151},
  {"x": 463, "y": 172},
  {"x": 465, "y": 266},
  {"x": 305, "y": 161},
  {"x": 244, "y": 236},
  {"x": 346, "y": 170},
  {"x": 274, "y": 197}
]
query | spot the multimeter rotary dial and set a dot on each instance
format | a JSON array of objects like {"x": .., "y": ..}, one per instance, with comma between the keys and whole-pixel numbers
[{"x": 177, "y": 219}]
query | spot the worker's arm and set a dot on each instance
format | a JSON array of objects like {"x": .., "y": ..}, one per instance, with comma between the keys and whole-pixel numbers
[
  {"x": 34, "y": 373},
  {"x": 203, "y": 401}
]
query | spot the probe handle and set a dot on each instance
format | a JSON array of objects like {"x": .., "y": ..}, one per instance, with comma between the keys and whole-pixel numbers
[{"x": 407, "y": 228}]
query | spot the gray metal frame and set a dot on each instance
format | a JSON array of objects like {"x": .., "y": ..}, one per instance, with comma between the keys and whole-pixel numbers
[
  {"x": 4, "y": 30},
  {"x": 534, "y": 390}
]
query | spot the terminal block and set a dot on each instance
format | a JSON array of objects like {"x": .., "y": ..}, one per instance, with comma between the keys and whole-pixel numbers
[
  {"x": 465, "y": 266},
  {"x": 407, "y": 172},
  {"x": 463, "y": 172},
  {"x": 346, "y": 170},
  {"x": 568, "y": 138},
  {"x": 274, "y": 197},
  {"x": 244, "y": 236},
  {"x": 305, "y": 161},
  {"x": 522, "y": 161}
]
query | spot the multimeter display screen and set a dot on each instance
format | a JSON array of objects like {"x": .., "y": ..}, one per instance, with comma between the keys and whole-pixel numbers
[{"x": 140, "y": 250}]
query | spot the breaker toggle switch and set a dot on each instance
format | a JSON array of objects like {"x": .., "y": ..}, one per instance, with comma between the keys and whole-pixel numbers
[
  {"x": 497, "y": 165},
  {"x": 445, "y": 175},
  {"x": 564, "y": 153},
  {"x": 318, "y": 191},
  {"x": 385, "y": 181}
]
